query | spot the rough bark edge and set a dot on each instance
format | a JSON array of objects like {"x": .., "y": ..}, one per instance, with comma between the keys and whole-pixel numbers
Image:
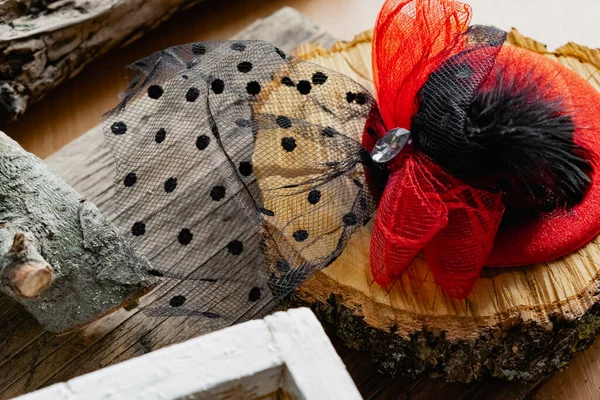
[
  {"x": 35, "y": 62},
  {"x": 495, "y": 352}
]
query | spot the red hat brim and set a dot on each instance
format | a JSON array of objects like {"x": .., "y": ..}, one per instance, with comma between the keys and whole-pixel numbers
[{"x": 563, "y": 232}]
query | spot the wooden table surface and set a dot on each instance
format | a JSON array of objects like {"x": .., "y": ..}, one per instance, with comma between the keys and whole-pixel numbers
[{"x": 73, "y": 108}]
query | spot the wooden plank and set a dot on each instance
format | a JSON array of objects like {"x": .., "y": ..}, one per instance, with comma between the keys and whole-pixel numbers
[
  {"x": 285, "y": 355},
  {"x": 81, "y": 248},
  {"x": 88, "y": 166}
]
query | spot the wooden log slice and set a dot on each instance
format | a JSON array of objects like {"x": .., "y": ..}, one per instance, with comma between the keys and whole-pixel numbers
[{"x": 518, "y": 323}]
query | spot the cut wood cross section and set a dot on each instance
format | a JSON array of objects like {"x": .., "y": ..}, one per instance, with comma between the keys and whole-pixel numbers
[{"x": 518, "y": 323}]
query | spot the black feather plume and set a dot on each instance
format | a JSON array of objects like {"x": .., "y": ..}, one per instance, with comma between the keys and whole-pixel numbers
[{"x": 525, "y": 144}]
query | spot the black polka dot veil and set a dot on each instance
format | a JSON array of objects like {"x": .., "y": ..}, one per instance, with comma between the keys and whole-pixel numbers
[{"x": 239, "y": 173}]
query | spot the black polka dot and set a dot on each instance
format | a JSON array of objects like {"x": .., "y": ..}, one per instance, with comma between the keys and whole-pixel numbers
[
  {"x": 198, "y": 49},
  {"x": 160, "y": 135},
  {"x": 329, "y": 132},
  {"x": 184, "y": 76},
  {"x": 192, "y": 94},
  {"x": 177, "y": 301},
  {"x": 118, "y": 128},
  {"x": 138, "y": 229},
  {"x": 361, "y": 99},
  {"x": 245, "y": 168},
  {"x": 350, "y": 97},
  {"x": 304, "y": 87},
  {"x": 349, "y": 219},
  {"x": 155, "y": 91},
  {"x": 217, "y": 86},
  {"x": 243, "y": 123},
  {"x": 235, "y": 247},
  {"x": 266, "y": 212},
  {"x": 245, "y": 67},
  {"x": 280, "y": 52},
  {"x": 185, "y": 236},
  {"x": 155, "y": 272},
  {"x": 130, "y": 179},
  {"x": 217, "y": 193},
  {"x": 253, "y": 88},
  {"x": 283, "y": 265},
  {"x": 288, "y": 144},
  {"x": 283, "y": 122},
  {"x": 238, "y": 46},
  {"x": 202, "y": 142},
  {"x": 314, "y": 196},
  {"x": 170, "y": 184},
  {"x": 287, "y": 81},
  {"x": 300, "y": 235},
  {"x": 254, "y": 294},
  {"x": 319, "y": 78}
]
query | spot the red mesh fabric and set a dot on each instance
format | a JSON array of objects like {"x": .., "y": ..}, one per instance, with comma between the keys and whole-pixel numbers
[
  {"x": 410, "y": 213},
  {"x": 411, "y": 39},
  {"x": 423, "y": 207},
  {"x": 458, "y": 252}
]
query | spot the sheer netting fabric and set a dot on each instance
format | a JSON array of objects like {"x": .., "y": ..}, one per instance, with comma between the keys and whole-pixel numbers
[
  {"x": 239, "y": 173},
  {"x": 428, "y": 64}
]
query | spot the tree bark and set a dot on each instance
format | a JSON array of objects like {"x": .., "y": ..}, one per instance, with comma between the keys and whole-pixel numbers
[
  {"x": 45, "y": 42},
  {"x": 59, "y": 257}
]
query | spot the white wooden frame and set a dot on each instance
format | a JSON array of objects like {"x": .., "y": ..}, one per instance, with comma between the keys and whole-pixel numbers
[{"x": 287, "y": 355}]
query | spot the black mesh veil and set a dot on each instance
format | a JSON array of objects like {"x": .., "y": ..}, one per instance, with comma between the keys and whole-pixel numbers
[{"x": 239, "y": 173}]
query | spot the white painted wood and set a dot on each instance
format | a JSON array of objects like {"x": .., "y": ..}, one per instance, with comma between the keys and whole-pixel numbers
[
  {"x": 311, "y": 361},
  {"x": 287, "y": 354}
]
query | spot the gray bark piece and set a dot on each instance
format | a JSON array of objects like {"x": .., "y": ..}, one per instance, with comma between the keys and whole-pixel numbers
[
  {"x": 95, "y": 270},
  {"x": 43, "y": 43},
  {"x": 33, "y": 359}
]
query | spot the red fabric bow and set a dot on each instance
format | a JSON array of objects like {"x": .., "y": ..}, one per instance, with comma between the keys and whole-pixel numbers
[{"x": 422, "y": 206}]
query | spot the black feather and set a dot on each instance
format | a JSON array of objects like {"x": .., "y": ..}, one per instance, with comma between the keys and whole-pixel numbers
[{"x": 526, "y": 147}]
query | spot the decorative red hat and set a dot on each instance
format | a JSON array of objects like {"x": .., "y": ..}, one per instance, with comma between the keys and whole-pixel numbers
[{"x": 501, "y": 171}]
